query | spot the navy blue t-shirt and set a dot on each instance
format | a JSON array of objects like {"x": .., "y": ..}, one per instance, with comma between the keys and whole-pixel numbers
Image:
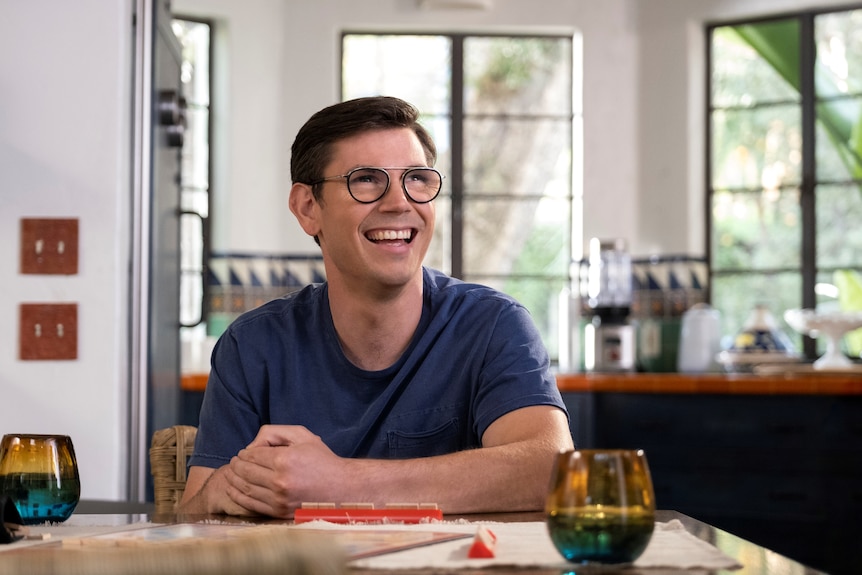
[{"x": 476, "y": 355}]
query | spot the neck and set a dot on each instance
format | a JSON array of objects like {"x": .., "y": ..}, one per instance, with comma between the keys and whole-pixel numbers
[{"x": 375, "y": 328}]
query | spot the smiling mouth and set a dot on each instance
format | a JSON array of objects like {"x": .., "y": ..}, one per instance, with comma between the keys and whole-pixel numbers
[{"x": 390, "y": 235}]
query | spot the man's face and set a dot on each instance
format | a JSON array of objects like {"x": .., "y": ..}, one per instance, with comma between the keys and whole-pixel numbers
[{"x": 379, "y": 245}]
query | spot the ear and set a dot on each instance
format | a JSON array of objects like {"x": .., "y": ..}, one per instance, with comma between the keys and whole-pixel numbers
[{"x": 305, "y": 207}]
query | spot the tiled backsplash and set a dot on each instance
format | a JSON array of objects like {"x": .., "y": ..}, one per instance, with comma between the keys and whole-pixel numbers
[
  {"x": 240, "y": 282},
  {"x": 662, "y": 286},
  {"x": 666, "y": 286}
]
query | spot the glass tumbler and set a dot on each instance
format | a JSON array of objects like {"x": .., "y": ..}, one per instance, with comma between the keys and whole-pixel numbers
[
  {"x": 601, "y": 506},
  {"x": 40, "y": 474}
]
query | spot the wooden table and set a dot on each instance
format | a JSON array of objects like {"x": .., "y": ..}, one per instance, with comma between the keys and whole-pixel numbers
[{"x": 756, "y": 560}]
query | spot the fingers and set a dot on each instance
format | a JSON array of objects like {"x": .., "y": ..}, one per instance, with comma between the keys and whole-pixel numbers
[
  {"x": 213, "y": 496},
  {"x": 248, "y": 487},
  {"x": 261, "y": 456},
  {"x": 259, "y": 482},
  {"x": 273, "y": 435},
  {"x": 277, "y": 469},
  {"x": 231, "y": 507}
]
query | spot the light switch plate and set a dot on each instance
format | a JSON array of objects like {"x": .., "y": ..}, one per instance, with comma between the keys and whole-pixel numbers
[
  {"x": 48, "y": 331},
  {"x": 49, "y": 246}
]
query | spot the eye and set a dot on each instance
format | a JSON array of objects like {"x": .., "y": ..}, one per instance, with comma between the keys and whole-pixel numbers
[
  {"x": 368, "y": 176},
  {"x": 420, "y": 176}
]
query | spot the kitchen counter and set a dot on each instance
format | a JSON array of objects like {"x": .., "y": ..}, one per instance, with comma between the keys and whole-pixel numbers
[{"x": 799, "y": 382}]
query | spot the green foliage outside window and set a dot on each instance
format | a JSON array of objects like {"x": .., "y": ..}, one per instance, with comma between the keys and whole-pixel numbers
[{"x": 756, "y": 166}]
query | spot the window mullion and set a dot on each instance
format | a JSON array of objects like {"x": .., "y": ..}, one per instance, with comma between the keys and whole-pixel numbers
[
  {"x": 457, "y": 168},
  {"x": 708, "y": 149},
  {"x": 809, "y": 170}
]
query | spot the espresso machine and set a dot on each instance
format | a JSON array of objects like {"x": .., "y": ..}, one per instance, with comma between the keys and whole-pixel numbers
[{"x": 606, "y": 295}]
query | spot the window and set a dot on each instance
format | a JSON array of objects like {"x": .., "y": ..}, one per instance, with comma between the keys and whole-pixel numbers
[
  {"x": 194, "y": 37},
  {"x": 500, "y": 109},
  {"x": 785, "y": 161}
]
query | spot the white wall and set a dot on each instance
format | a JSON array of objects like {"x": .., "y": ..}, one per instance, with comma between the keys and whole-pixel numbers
[
  {"x": 65, "y": 73},
  {"x": 251, "y": 149},
  {"x": 65, "y": 97}
]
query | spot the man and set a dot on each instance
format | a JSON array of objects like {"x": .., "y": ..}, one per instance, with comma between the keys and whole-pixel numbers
[{"x": 389, "y": 382}]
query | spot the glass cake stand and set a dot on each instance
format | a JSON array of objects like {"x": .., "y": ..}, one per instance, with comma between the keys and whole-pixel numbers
[{"x": 832, "y": 326}]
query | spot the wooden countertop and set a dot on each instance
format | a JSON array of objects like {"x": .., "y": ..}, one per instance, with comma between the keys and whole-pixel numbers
[
  {"x": 194, "y": 381},
  {"x": 790, "y": 383},
  {"x": 801, "y": 383}
]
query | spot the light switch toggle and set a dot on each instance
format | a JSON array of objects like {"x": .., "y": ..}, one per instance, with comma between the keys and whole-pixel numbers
[{"x": 37, "y": 330}]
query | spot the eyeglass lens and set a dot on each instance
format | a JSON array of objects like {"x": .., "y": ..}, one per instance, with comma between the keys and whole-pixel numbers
[{"x": 369, "y": 184}]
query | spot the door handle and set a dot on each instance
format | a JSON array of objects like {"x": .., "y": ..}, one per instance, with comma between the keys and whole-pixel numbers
[{"x": 203, "y": 269}]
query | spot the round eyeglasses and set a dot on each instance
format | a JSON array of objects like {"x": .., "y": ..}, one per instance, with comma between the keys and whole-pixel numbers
[{"x": 367, "y": 185}]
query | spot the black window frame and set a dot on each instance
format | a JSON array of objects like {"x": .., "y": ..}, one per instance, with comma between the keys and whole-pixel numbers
[
  {"x": 808, "y": 268},
  {"x": 206, "y": 225},
  {"x": 457, "y": 118}
]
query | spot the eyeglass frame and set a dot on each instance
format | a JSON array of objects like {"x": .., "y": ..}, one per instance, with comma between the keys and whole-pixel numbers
[{"x": 385, "y": 170}]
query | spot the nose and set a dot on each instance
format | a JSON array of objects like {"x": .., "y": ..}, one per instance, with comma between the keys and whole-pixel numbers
[{"x": 395, "y": 197}]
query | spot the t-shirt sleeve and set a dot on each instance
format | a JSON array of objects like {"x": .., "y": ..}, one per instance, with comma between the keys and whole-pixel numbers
[
  {"x": 228, "y": 420},
  {"x": 516, "y": 372}
]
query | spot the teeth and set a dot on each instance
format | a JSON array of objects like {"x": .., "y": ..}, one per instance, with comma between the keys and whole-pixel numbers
[{"x": 390, "y": 235}]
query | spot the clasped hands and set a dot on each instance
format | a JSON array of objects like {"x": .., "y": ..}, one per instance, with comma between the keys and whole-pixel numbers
[{"x": 284, "y": 466}]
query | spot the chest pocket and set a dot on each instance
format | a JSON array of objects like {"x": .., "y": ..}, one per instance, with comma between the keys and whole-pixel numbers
[{"x": 445, "y": 438}]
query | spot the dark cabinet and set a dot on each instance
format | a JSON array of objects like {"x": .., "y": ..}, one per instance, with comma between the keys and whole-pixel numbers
[{"x": 784, "y": 471}]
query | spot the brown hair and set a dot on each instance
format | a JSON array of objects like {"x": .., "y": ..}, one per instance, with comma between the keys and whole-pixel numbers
[{"x": 312, "y": 148}]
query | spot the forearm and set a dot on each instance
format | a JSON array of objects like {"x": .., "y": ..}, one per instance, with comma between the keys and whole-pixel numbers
[
  {"x": 286, "y": 466},
  {"x": 511, "y": 477},
  {"x": 511, "y": 472}
]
